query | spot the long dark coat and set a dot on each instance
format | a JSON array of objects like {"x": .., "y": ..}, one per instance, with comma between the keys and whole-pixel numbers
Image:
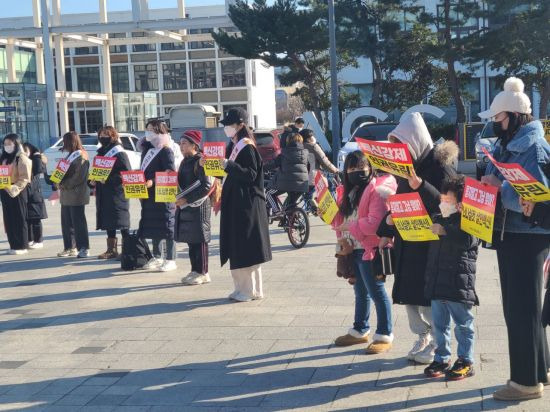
[
  {"x": 244, "y": 229},
  {"x": 36, "y": 207},
  {"x": 112, "y": 208},
  {"x": 157, "y": 219},
  {"x": 411, "y": 257},
  {"x": 293, "y": 174},
  {"x": 193, "y": 223}
]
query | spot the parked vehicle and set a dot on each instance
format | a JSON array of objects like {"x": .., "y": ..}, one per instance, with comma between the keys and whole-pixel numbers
[
  {"x": 268, "y": 144},
  {"x": 368, "y": 130},
  {"x": 485, "y": 139},
  {"x": 91, "y": 144}
]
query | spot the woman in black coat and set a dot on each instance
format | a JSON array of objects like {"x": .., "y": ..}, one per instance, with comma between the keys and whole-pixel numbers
[
  {"x": 244, "y": 230},
  {"x": 432, "y": 166},
  {"x": 157, "y": 219},
  {"x": 112, "y": 207},
  {"x": 36, "y": 210},
  {"x": 194, "y": 208}
]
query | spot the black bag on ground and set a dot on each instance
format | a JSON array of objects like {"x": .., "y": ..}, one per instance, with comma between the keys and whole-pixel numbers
[{"x": 135, "y": 252}]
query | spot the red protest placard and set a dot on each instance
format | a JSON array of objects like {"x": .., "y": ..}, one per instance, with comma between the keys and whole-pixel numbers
[
  {"x": 478, "y": 209},
  {"x": 134, "y": 186},
  {"x": 320, "y": 184},
  {"x": 5, "y": 177},
  {"x": 166, "y": 186},
  {"x": 411, "y": 218},
  {"x": 101, "y": 168},
  {"x": 393, "y": 158},
  {"x": 214, "y": 153}
]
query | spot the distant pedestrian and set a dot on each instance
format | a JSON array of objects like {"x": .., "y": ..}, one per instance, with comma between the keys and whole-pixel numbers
[
  {"x": 299, "y": 123},
  {"x": 450, "y": 285},
  {"x": 157, "y": 219},
  {"x": 244, "y": 228},
  {"x": 521, "y": 247},
  {"x": 194, "y": 208},
  {"x": 15, "y": 197},
  {"x": 36, "y": 207},
  {"x": 74, "y": 195},
  {"x": 112, "y": 207}
]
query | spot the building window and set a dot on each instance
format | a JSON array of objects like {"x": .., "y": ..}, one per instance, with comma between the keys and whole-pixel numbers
[
  {"x": 253, "y": 63},
  {"x": 204, "y": 75},
  {"x": 172, "y": 46},
  {"x": 137, "y": 48},
  {"x": 233, "y": 74},
  {"x": 118, "y": 48},
  {"x": 90, "y": 120},
  {"x": 68, "y": 80},
  {"x": 87, "y": 79},
  {"x": 174, "y": 76},
  {"x": 146, "y": 77},
  {"x": 463, "y": 25},
  {"x": 119, "y": 79},
  {"x": 79, "y": 51},
  {"x": 201, "y": 44}
]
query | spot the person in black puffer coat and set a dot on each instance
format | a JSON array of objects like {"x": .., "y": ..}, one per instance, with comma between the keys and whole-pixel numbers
[
  {"x": 450, "y": 285},
  {"x": 194, "y": 208},
  {"x": 36, "y": 211},
  {"x": 432, "y": 165},
  {"x": 112, "y": 207},
  {"x": 293, "y": 174}
]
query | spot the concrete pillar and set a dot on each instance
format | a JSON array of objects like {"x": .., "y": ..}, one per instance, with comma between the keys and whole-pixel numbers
[
  {"x": 181, "y": 14},
  {"x": 60, "y": 69},
  {"x": 144, "y": 9},
  {"x": 48, "y": 65},
  {"x": 39, "y": 56},
  {"x": 10, "y": 61},
  {"x": 106, "y": 68}
]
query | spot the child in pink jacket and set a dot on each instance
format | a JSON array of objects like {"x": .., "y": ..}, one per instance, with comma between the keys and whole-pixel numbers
[{"x": 362, "y": 206}]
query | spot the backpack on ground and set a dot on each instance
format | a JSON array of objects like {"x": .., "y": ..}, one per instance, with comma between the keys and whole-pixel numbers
[{"x": 135, "y": 252}]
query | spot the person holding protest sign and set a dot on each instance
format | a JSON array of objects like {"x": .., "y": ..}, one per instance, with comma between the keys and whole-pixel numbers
[
  {"x": 36, "y": 207},
  {"x": 521, "y": 247},
  {"x": 244, "y": 228},
  {"x": 450, "y": 285},
  {"x": 112, "y": 207},
  {"x": 157, "y": 218},
  {"x": 194, "y": 208},
  {"x": 430, "y": 167},
  {"x": 74, "y": 196},
  {"x": 14, "y": 195},
  {"x": 362, "y": 208}
]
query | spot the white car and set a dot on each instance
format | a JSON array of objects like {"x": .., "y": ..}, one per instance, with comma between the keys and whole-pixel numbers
[{"x": 91, "y": 144}]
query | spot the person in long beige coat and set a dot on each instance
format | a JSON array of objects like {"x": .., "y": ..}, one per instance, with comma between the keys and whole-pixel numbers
[{"x": 13, "y": 195}]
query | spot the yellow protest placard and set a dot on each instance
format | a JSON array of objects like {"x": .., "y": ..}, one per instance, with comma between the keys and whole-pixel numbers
[
  {"x": 214, "y": 153},
  {"x": 134, "y": 186},
  {"x": 411, "y": 218},
  {"x": 327, "y": 206},
  {"x": 5, "y": 178},
  {"x": 166, "y": 187},
  {"x": 393, "y": 158},
  {"x": 478, "y": 209},
  {"x": 101, "y": 168},
  {"x": 60, "y": 170}
]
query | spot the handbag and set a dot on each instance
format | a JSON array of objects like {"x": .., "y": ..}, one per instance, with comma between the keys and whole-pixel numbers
[
  {"x": 135, "y": 252},
  {"x": 383, "y": 263},
  {"x": 345, "y": 267}
]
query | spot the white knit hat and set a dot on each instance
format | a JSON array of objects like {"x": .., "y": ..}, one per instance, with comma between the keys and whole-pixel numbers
[{"x": 511, "y": 99}]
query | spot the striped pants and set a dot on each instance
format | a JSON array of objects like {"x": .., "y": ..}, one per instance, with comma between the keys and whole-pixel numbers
[{"x": 198, "y": 255}]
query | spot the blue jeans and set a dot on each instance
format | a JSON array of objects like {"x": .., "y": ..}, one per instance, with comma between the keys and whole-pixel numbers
[
  {"x": 170, "y": 250},
  {"x": 442, "y": 313},
  {"x": 366, "y": 288}
]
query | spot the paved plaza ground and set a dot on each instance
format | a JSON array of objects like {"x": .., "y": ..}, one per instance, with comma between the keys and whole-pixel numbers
[{"x": 81, "y": 335}]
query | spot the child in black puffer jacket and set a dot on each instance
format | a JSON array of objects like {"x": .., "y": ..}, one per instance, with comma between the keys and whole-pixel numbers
[{"x": 450, "y": 285}]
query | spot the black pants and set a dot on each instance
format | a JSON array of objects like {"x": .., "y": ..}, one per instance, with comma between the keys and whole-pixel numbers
[
  {"x": 14, "y": 210},
  {"x": 292, "y": 198},
  {"x": 198, "y": 255},
  {"x": 74, "y": 227},
  {"x": 35, "y": 230},
  {"x": 520, "y": 261},
  {"x": 123, "y": 232}
]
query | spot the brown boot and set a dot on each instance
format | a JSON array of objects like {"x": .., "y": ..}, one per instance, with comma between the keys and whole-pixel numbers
[
  {"x": 111, "y": 252},
  {"x": 352, "y": 338},
  {"x": 380, "y": 344}
]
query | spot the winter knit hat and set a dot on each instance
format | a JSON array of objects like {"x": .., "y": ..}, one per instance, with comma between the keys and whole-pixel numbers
[
  {"x": 412, "y": 131},
  {"x": 193, "y": 136},
  {"x": 511, "y": 99}
]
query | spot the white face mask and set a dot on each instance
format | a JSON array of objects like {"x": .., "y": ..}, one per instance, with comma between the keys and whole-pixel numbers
[
  {"x": 149, "y": 135},
  {"x": 9, "y": 149},
  {"x": 447, "y": 209},
  {"x": 230, "y": 131}
]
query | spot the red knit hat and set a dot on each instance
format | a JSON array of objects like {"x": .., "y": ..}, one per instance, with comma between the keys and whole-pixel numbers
[{"x": 193, "y": 136}]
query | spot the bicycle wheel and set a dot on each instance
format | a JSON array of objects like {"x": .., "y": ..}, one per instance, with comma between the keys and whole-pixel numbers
[{"x": 298, "y": 227}]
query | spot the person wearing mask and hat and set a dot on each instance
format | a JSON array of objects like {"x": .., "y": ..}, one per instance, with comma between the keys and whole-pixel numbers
[
  {"x": 244, "y": 228},
  {"x": 194, "y": 208},
  {"x": 521, "y": 247},
  {"x": 157, "y": 219},
  {"x": 36, "y": 207},
  {"x": 431, "y": 166},
  {"x": 15, "y": 197}
]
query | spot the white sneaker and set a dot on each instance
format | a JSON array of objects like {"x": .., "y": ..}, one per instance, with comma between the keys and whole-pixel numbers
[
  {"x": 18, "y": 252},
  {"x": 31, "y": 243},
  {"x": 421, "y": 344},
  {"x": 197, "y": 279},
  {"x": 67, "y": 253},
  {"x": 189, "y": 278},
  {"x": 241, "y": 297},
  {"x": 426, "y": 356},
  {"x": 233, "y": 294},
  {"x": 258, "y": 296},
  {"x": 83, "y": 253},
  {"x": 36, "y": 245},
  {"x": 154, "y": 263},
  {"x": 168, "y": 266}
]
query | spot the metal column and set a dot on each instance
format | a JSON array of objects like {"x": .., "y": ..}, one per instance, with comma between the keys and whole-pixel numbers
[
  {"x": 48, "y": 65},
  {"x": 10, "y": 61},
  {"x": 335, "y": 111},
  {"x": 60, "y": 70},
  {"x": 106, "y": 67},
  {"x": 39, "y": 56}
]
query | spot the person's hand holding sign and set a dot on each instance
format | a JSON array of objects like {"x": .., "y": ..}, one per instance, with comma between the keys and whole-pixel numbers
[
  {"x": 149, "y": 183},
  {"x": 202, "y": 161},
  {"x": 437, "y": 229},
  {"x": 414, "y": 180},
  {"x": 527, "y": 206},
  {"x": 181, "y": 202}
]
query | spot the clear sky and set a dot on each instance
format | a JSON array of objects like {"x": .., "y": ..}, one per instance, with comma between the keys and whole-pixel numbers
[{"x": 24, "y": 7}]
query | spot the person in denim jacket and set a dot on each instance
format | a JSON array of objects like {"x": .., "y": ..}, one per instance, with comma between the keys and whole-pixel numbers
[{"x": 521, "y": 247}]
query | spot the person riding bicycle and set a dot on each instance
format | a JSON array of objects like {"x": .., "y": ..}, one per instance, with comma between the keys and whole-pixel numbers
[{"x": 292, "y": 175}]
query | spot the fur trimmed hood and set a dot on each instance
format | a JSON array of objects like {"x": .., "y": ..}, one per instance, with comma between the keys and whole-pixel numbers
[{"x": 446, "y": 153}]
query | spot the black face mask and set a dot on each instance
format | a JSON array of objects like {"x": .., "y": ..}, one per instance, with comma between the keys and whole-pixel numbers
[
  {"x": 359, "y": 178},
  {"x": 498, "y": 130},
  {"x": 104, "y": 141}
]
